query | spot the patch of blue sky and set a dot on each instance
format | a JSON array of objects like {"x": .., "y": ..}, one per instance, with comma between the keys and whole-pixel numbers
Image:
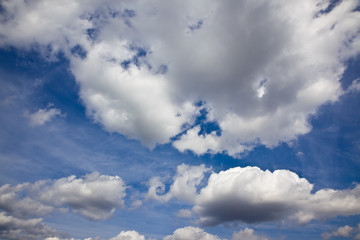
[
  {"x": 70, "y": 145},
  {"x": 196, "y": 26},
  {"x": 138, "y": 58}
]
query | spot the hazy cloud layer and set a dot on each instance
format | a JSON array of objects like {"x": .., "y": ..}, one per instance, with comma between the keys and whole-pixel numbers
[
  {"x": 93, "y": 196},
  {"x": 252, "y": 195},
  {"x": 143, "y": 66}
]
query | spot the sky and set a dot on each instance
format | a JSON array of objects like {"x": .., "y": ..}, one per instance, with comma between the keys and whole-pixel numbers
[{"x": 179, "y": 120}]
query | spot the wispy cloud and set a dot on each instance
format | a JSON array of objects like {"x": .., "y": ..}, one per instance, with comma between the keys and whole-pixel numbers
[{"x": 42, "y": 116}]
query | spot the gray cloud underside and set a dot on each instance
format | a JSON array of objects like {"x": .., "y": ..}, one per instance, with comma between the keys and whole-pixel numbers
[
  {"x": 94, "y": 196},
  {"x": 252, "y": 195},
  {"x": 16, "y": 228}
]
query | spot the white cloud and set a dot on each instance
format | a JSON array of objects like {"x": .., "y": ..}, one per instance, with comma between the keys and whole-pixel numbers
[
  {"x": 16, "y": 228},
  {"x": 184, "y": 213},
  {"x": 128, "y": 235},
  {"x": 190, "y": 233},
  {"x": 42, "y": 116},
  {"x": 344, "y": 231},
  {"x": 134, "y": 102},
  {"x": 248, "y": 234},
  {"x": 93, "y": 196},
  {"x": 252, "y": 195},
  {"x": 184, "y": 186},
  {"x": 214, "y": 52},
  {"x": 355, "y": 86},
  {"x": 199, "y": 144},
  {"x": 136, "y": 204}
]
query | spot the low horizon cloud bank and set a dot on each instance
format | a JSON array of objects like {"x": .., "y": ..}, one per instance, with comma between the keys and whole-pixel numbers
[
  {"x": 245, "y": 194},
  {"x": 185, "y": 233}
]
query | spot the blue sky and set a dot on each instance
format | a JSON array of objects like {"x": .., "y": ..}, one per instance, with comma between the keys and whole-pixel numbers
[{"x": 183, "y": 120}]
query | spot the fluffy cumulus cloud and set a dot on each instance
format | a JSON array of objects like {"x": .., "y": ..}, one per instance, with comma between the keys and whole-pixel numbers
[
  {"x": 143, "y": 67},
  {"x": 191, "y": 233},
  {"x": 16, "y": 228},
  {"x": 248, "y": 234},
  {"x": 252, "y": 195},
  {"x": 345, "y": 232},
  {"x": 93, "y": 196},
  {"x": 128, "y": 235},
  {"x": 185, "y": 233}
]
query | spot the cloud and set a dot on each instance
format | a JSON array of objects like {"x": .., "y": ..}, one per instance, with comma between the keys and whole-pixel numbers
[
  {"x": 16, "y": 228},
  {"x": 199, "y": 144},
  {"x": 191, "y": 233},
  {"x": 184, "y": 213},
  {"x": 248, "y": 234},
  {"x": 128, "y": 235},
  {"x": 252, "y": 195},
  {"x": 344, "y": 231},
  {"x": 142, "y": 66},
  {"x": 185, "y": 233},
  {"x": 93, "y": 196},
  {"x": 42, "y": 116},
  {"x": 15, "y": 205},
  {"x": 188, "y": 233},
  {"x": 136, "y": 204},
  {"x": 184, "y": 187}
]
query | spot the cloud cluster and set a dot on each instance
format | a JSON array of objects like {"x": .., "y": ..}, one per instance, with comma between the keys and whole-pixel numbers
[
  {"x": 185, "y": 233},
  {"x": 93, "y": 196},
  {"x": 340, "y": 232},
  {"x": 16, "y": 228},
  {"x": 252, "y": 195},
  {"x": 142, "y": 66},
  {"x": 345, "y": 231},
  {"x": 190, "y": 233},
  {"x": 128, "y": 235}
]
